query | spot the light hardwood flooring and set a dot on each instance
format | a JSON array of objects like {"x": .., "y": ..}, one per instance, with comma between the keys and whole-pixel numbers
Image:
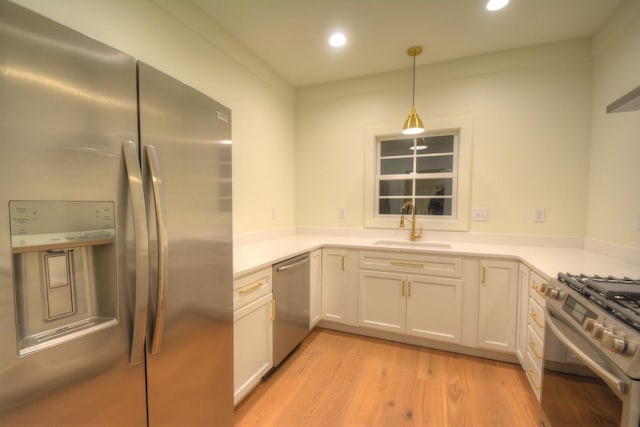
[{"x": 338, "y": 379}]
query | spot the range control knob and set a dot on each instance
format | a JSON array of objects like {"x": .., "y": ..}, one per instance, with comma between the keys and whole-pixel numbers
[
  {"x": 599, "y": 331},
  {"x": 589, "y": 324},
  {"x": 614, "y": 343},
  {"x": 552, "y": 292}
]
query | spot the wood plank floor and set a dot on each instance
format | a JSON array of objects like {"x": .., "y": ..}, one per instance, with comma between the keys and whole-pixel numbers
[{"x": 338, "y": 379}]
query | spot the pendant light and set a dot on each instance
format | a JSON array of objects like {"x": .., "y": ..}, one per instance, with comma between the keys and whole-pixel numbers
[{"x": 413, "y": 124}]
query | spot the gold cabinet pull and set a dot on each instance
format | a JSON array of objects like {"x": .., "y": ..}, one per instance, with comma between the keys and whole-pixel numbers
[
  {"x": 533, "y": 381},
  {"x": 409, "y": 293},
  {"x": 273, "y": 309},
  {"x": 399, "y": 263},
  {"x": 484, "y": 273},
  {"x": 249, "y": 289},
  {"x": 403, "y": 288},
  {"x": 532, "y": 345},
  {"x": 534, "y": 316},
  {"x": 344, "y": 263},
  {"x": 537, "y": 289}
]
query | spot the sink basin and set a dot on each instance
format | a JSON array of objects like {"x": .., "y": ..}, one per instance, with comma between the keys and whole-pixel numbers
[{"x": 416, "y": 244}]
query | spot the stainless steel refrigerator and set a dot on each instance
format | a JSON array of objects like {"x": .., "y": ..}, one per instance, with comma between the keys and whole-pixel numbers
[{"x": 115, "y": 237}]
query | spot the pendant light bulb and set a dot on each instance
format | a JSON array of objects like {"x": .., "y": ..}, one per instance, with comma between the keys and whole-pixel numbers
[{"x": 413, "y": 125}]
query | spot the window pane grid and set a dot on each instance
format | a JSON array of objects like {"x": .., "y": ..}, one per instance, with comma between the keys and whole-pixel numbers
[{"x": 427, "y": 179}]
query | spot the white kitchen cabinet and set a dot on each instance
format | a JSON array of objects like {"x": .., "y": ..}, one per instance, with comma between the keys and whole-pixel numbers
[
  {"x": 339, "y": 285},
  {"x": 523, "y": 311},
  {"x": 412, "y": 304},
  {"x": 382, "y": 300},
  {"x": 497, "y": 305},
  {"x": 535, "y": 332},
  {"x": 434, "y": 308},
  {"x": 315, "y": 287},
  {"x": 252, "y": 331}
]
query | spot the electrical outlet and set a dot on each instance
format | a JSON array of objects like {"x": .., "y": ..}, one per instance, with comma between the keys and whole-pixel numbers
[
  {"x": 341, "y": 213},
  {"x": 274, "y": 214},
  {"x": 538, "y": 215},
  {"x": 480, "y": 214}
]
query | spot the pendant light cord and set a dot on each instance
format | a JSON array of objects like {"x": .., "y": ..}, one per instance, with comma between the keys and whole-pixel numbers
[{"x": 413, "y": 95}]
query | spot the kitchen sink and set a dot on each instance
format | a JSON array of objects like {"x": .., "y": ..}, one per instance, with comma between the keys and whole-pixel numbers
[{"x": 416, "y": 244}]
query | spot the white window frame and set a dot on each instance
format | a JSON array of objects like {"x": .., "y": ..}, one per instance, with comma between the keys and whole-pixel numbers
[{"x": 460, "y": 214}]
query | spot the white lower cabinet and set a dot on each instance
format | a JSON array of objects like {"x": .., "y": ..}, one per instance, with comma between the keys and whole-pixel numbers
[
  {"x": 523, "y": 310},
  {"x": 497, "y": 305},
  {"x": 252, "y": 331},
  {"x": 315, "y": 287},
  {"x": 535, "y": 332},
  {"x": 339, "y": 285},
  {"x": 412, "y": 304}
]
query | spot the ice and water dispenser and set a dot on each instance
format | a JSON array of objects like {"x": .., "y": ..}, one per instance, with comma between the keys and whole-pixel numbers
[{"x": 64, "y": 260}]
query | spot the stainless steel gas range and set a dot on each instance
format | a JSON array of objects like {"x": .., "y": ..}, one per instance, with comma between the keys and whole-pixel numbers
[{"x": 592, "y": 359}]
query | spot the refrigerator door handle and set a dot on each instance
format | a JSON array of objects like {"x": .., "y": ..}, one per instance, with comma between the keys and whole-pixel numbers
[
  {"x": 163, "y": 246},
  {"x": 142, "y": 252}
]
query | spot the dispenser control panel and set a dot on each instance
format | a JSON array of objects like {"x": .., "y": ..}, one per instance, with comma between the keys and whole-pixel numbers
[{"x": 37, "y": 223}]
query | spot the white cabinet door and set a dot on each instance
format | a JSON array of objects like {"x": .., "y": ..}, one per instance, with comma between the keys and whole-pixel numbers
[
  {"x": 339, "y": 285},
  {"x": 434, "y": 308},
  {"x": 252, "y": 345},
  {"x": 315, "y": 284},
  {"x": 382, "y": 300},
  {"x": 497, "y": 305},
  {"x": 523, "y": 310}
]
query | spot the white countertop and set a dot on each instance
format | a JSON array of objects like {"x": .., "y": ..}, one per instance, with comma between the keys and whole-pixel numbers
[{"x": 548, "y": 261}]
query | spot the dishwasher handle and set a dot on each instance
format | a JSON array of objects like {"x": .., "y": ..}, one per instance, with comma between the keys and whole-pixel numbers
[{"x": 292, "y": 265}]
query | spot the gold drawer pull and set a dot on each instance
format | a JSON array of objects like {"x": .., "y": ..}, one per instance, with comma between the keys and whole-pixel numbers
[
  {"x": 533, "y": 349},
  {"x": 250, "y": 289},
  {"x": 273, "y": 309},
  {"x": 537, "y": 289},
  {"x": 533, "y": 381},
  {"x": 399, "y": 263},
  {"x": 534, "y": 316}
]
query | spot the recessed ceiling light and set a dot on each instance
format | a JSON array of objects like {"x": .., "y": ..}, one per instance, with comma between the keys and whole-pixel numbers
[
  {"x": 337, "y": 40},
  {"x": 496, "y": 4}
]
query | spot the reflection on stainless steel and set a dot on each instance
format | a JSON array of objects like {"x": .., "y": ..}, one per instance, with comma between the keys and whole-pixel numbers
[
  {"x": 79, "y": 268},
  {"x": 198, "y": 287}
]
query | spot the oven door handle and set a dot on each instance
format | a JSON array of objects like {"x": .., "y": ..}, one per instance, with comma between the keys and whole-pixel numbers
[{"x": 612, "y": 380}]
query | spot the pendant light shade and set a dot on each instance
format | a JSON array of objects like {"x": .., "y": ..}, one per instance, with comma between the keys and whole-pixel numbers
[{"x": 413, "y": 125}]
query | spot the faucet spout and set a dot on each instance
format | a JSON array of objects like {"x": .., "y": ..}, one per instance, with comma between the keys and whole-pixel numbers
[{"x": 414, "y": 235}]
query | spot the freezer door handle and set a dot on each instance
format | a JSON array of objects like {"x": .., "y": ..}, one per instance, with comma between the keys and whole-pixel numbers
[
  {"x": 142, "y": 252},
  {"x": 163, "y": 247}
]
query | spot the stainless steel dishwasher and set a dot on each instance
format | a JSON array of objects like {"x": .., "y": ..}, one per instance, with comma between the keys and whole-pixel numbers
[{"x": 291, "y": 295}]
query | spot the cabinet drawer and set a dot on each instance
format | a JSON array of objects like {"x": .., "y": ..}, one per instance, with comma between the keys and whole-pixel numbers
[
  {"x": 432, "y": 265},
  {"x": 535, "y": 284},
  {"x": 534, "y": 374},
  {"x": 251, "y": 287},
  {"x": 536, "y": 317},
  {"x": 535, "y": 348}
]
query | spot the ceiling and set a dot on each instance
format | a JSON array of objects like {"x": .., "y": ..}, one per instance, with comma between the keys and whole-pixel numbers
[{"x": 291, "y": 35}]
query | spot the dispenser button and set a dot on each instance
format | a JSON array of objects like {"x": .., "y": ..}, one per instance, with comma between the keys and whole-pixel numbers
[{"x": 59, "y": 290}]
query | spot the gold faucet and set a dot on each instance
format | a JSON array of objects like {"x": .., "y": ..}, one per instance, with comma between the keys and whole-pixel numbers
[{"x": 414, "y": 235}]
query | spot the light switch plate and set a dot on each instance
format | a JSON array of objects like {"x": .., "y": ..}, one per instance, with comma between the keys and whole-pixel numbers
[
  {"x": 274, "y": 214},
  {"x": 538, "y": 215},
  {"x": 480, "y": 214},
  {"x": 341, "y": 213}
]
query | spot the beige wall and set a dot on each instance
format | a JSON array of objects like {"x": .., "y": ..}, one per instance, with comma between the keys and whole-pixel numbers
[
  {"x": 614, "y": 184},
  {"x": 531, "y": 130},
  {"x": 205, "y": 57}
]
